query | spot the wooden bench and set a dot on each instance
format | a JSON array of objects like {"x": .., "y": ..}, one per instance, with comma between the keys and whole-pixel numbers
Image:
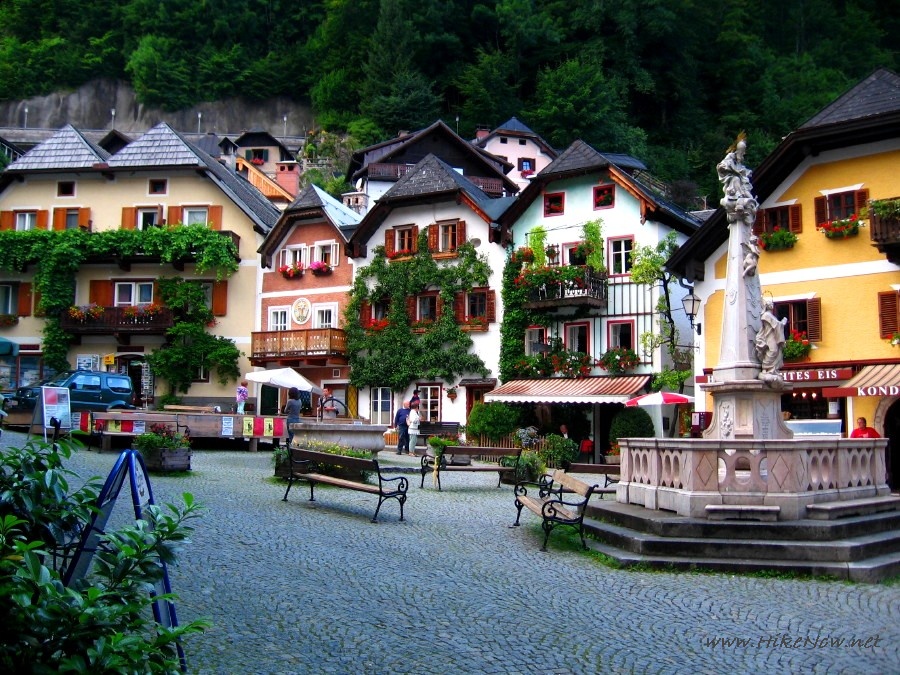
[
  {"x": 190, "y": 408},
  {"x": 610, "y": 472},
  {"x": 429, "y": 464},
  {"x": 308, "y": 464},
  {"x": 549, "y": 502}
]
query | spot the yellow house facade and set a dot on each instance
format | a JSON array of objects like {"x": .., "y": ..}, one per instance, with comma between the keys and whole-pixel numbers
[{"x": 839, "y": 293}]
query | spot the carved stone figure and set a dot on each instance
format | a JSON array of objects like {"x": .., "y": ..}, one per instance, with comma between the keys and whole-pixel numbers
[
  {"x": 770, "y": 344},
  {"x": 751, "y": 255}
]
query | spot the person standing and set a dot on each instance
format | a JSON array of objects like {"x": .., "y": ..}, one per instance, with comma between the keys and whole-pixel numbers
[
  {"x": 240, "y": 396},
  {"x": 415, "y": 398},
  {"x": 412, "y": 423},
  {"x": 292, "y": 410},
  {"x": 862, "y": 430},
  {"x": 402, "y": 429}
]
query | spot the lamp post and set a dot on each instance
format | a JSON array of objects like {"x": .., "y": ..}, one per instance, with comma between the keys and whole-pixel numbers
[
  {"x": 691, "y": 304},
  {"x": 26, "y": 116},
  {"x": 199, "y": 117},
  {"x": 113, "y": 113},
  {"x": 284, "y": 133}
]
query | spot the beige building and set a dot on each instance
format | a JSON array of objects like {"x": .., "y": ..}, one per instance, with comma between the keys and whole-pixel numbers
[{"x": 68, "y": 185}]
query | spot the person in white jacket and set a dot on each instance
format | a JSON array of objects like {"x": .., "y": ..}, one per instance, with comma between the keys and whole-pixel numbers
[{"x": 412, "y": 423}]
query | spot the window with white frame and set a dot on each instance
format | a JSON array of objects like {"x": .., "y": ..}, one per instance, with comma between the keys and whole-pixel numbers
[
  {"x": 577, "y": 337},
  {"x": 620, "y": 255},
  {"x": 621, "y": 334},
  {"x": 26, "y": 220},
  {"x": 536, "y": 341},
  {"x": 158, "y": 186},
  {"x": 325, "y": 315},
  {"x": 293, "y": 255},
  {"x": 380, "y": 309},
  {"x": 195, "y": 215},
  {"x": 326, "y": 252},
  {"x": 278, "y": 318},
  {"x": 200, "y": 374},
  {"x": 449, "y": 235},
  {"x": 147, "y": 218},
  {"x": 381, "y": 406},
  {"x": 405, "y": 243},
  {"x": 7, "y": 299},
  {"x": 426, "y": 307},
  {"x": 430, "y": 402},
  {"x": 129, "y": 293},
  {"x": 65, "y": 188}
]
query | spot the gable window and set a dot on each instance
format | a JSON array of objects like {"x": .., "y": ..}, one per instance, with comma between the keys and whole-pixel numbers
[
  {"x": 128, "y": 293},
  {"x": 803, "y": 316},
  {"x": 620, "y": 255},
  {"x": 577, "y": 337},
  {"x": 621, "y": 334},
  {"x": 405, "y": 240},
  {"x": 449, "y": 241},
  {"x": 840, "y": 205},
  {"x": 504, "y": 140},
  {"x": 446, "y": 236},
  {"x": 526, "y": 164},
  {"x": 781, "y": 217},
  {"x": 257, "y": 156},
  {"x": 381, "y": 406},
  {"x": 195, "y": 215},
  {"x": 401, "y": 241},
  {"x": 65, "y": 188},
  {"x": 327, "y": 253},
  {"x": 604, "y": 196},
  {"x": 554, "y": 204},
  {"x": 278, "y": 318},
  {"x": 158, "y": 186},
  {"x": 26, "y": 220},
  {"x": 536, "y": 341},
  {"x": 295, "y": 255}
]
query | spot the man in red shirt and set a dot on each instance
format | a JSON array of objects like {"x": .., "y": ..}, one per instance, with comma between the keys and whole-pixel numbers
[{"x": 863, "y": 431}]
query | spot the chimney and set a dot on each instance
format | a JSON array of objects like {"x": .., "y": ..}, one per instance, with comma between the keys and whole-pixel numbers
[{"x": 288, "y": 177}]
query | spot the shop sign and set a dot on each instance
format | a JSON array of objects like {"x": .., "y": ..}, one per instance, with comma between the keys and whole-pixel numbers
[{"x": 817, "y": 375}]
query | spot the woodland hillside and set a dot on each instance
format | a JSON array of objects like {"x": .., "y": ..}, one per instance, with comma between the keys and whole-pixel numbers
[{"x": 671, "y": 81}]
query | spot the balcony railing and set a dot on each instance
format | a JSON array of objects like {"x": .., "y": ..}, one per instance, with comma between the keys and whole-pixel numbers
[
  {"x": 885, "y": 233},
  {"x": 589, "y": 289},
  {"x": 119, "y": 321},
  {"x": 491, "y": 186},
  {"x": 298, "y": 343}
]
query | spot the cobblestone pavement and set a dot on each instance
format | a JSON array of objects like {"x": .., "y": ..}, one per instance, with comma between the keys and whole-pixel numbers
[{"x": 301, "y": 587}]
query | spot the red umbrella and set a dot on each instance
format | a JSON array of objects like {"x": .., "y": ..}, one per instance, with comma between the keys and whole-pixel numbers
[{"x": 659, "y": 398}]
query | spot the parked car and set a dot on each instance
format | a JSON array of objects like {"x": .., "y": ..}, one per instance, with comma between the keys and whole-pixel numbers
[{"x": 91, "y": 390}]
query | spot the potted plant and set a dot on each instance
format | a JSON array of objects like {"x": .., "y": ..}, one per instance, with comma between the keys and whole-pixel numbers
[
  {"x": 558, "y": 451},
  {"x": 552, "y": 252},
  {"x": 618, "y": 360},
  {"x": 895, "y": 339},
  {"x": 777, "y": 240},
  {"x": 164, "y": 448},
  {"x": 451, "y": 393},
  {"x": 525, "y": 254},
  {"x": 613, "y": 455}
]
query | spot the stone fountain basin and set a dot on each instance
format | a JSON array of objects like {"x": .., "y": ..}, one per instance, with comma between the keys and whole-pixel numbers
[{"x": 353, "y": 435}]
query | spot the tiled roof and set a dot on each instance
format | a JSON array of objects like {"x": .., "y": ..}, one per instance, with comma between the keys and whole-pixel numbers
[
  {"x": 161, "y": 146},
  {"x": 433, "y": 175},
  {"x": 66, "y": 149},
  {"x": 879, "y": 93}
]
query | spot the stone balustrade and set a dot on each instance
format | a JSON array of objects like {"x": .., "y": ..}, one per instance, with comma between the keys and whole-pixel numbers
[{"x": 686, "y": 475}]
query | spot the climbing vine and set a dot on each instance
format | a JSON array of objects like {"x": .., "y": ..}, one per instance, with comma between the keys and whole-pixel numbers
[
  {"x": 58, "y": 255},
  {"x": 391, "y": 352},
  {"x": 516, "y": 320}
]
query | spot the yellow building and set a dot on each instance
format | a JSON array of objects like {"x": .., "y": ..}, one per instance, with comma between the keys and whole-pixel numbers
[
  {"x": 830, "y": 248},
  {"x": 68, "y": 183}
]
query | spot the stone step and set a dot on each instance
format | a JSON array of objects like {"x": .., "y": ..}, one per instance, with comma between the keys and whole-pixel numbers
[
  {"x": 667, "y": 524},
  {"x": 868, "y": 571},
  {"x": 743, "y": 512},
  {"x": 853, "y": 507},
  {"x": 847, "y": 550}
]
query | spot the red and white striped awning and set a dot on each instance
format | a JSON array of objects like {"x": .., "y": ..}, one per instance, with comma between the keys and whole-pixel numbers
[
  {"x": 568, "y": 390},
  {"x": 880, "y": 380}
]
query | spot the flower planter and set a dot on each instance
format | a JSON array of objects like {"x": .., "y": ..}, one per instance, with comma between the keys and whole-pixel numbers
[
  {"x": 295, "y": 275},
  {"x": 613, "y": 459},
  {"x": 321, "y": 273},
  {"x": 168, "y": 459}
]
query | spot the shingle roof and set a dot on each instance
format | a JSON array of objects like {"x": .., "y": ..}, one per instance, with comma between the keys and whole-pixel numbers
[
  {"x": 313, "y": 197},
  {"x": 161, "y": 146},
  {"x": 513, "y": 124},
  {"x": 66, "y": 149},
  {"x": 577, "y": 157},
  {"x": 433, "y": 175},
  {"x": 878, "y": 93}
]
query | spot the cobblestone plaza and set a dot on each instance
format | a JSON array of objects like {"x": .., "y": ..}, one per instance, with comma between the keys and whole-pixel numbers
[{"x": 300, "y": 587}]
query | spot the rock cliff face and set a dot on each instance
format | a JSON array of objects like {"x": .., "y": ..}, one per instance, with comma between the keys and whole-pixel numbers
[{"x": 90, "y": 106}]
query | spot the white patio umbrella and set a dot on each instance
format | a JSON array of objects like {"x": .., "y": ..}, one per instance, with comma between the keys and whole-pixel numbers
[
  {"x": 659, "y": 398},
  {"x": 283, "y": 377}
]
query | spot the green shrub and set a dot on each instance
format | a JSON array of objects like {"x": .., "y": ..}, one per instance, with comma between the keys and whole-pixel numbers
[
  {"x": 494, "y": 420},
  {"x": 631, "y": 423},
  {"x": 99, "y": 624},
  {"x": 557, "y": 451},
  {"x": 281, "y": 455},
  {"x": 530, "y": 467}
]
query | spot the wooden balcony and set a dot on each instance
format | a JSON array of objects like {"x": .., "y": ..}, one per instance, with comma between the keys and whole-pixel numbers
[
  {"x": 379, "y": 171},
  {"x": 315, "y": 343},
  {"x": 885, "y": 234},
  {"x": 119, "y": 321},
  {"x": 590, "y": 290}
]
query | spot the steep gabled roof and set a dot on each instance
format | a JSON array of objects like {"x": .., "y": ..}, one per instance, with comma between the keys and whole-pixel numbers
[
  {"x": 867, "y": 113},
  {"x": 162, "y": 146},
  {"x": 514, "y": 127},
  {"x": 384, "y": 151},
  {"x": 66, "y": 149},
  {"x": 431, "y": 180},
  {"x": 311, "y": 203},
  {"x": 581, "y": 159}
]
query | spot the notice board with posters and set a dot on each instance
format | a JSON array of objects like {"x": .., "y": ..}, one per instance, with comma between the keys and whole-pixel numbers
[{"x": 55, "y": 402}]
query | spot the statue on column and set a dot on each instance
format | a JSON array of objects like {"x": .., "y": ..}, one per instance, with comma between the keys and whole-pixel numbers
[
  {"x": 740, "y": 206},
  {"x": 770, "y": 344}
]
